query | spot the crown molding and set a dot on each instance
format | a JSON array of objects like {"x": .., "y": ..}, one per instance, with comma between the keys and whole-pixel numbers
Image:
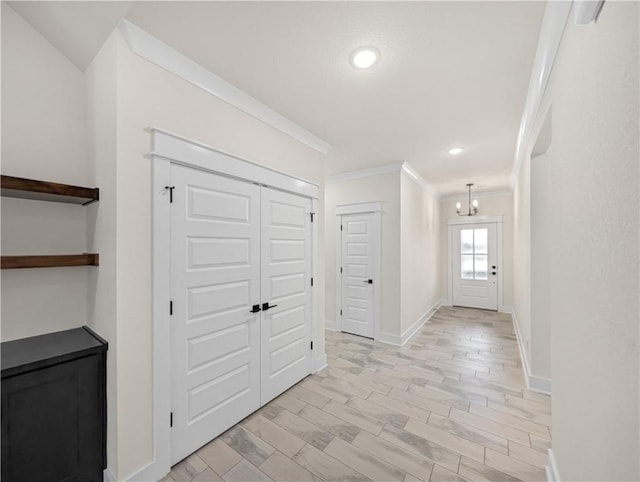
[
  {"x": 363, "y": 173},
  {"x": 551, "y": 32},
  {"x": 417, "y": 178},
  {"x": 155, "y": 51},
  {"x": 586, "y": 11},
  {"x": 475, "y": 219},
  {"x": 399, "y": 166},
  {"x": 357, "y": 208},
  {"x": 477, "y": 194}
]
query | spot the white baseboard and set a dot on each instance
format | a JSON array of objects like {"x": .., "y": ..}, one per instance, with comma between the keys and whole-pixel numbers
[
  {"x": 506, "y": 309},
  {"x": 389, "y": 338},
  {"x": 400, "y": 340},
  {"x": 534, "y": 382},
  {"x": 320, "y": 363},
  {"x": 413, "y": 329},
  {"x": 540, "y": 384},
  {"x": 523, "y": 352},
  {"x": 444, "y": 302},
  {"x": 108, "y": 476},
  {"x": 552, "y": 468},
  {"x": 148, "y": 473},
  {"x": 330, "y": 325}
]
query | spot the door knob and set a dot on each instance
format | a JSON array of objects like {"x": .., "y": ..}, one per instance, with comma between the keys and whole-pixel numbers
[
  {"x": 370, "y": 281},
  {"x": 493, "y": 273},
  {"x": 265, "y": 306}
]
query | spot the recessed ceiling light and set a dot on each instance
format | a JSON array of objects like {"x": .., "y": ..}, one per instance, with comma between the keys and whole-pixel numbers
[
  {"x": 364, "y": 57},
  {"x": 454, "y": 151}
]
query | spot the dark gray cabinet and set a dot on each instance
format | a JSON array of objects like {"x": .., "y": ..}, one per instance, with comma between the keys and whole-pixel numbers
[{"x": 54, "y": 407}]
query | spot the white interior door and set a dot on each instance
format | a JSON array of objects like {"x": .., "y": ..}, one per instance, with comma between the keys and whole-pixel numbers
[
  {"x": 474, "y": 265},
  {"x": 286, "y": 280},
  {"x": 358, "y": 283},
  {"x": 215, "y": 281}
]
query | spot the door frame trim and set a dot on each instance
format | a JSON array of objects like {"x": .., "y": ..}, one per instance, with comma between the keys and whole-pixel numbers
[
  {"x": 375, "y": 208},
  {"x": 169, "y": 148},
  {"x": 497, "y": 220}
]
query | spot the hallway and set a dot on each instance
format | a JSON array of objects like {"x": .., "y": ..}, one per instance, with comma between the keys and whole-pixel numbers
[{"x": 449, "y": 405}]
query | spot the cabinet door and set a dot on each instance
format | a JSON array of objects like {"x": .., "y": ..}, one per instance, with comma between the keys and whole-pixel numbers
[
  {"x": 215, "y": 278},
  {"x": 52, "y": 423}
]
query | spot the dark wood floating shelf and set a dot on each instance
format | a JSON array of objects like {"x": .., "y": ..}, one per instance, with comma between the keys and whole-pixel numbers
[
  {"x": 20, "y": 187},
  {"x": 49, "y": 261}
]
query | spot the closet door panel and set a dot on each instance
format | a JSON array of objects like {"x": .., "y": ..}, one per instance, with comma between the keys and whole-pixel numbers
[
  {"x": 215, "y": 281},
  {"x": 286, "y": 277}
]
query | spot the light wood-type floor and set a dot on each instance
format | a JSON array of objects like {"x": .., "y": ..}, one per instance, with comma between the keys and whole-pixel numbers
[{"x": 450, "y": 405}]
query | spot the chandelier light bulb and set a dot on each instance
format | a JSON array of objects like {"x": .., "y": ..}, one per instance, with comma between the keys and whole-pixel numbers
[{"x": 473, "y": 205}]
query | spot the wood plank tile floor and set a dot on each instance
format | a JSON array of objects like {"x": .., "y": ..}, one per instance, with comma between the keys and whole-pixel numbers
[{"x": 451, "y": 405}]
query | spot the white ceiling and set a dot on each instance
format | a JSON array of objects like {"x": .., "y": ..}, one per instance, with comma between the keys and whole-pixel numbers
[
  {"x": 76, "y": 28},
  {"x": 450, "y": 73}
]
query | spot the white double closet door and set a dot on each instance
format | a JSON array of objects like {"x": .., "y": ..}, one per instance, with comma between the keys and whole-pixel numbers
[{"x": 240, "y": 282}]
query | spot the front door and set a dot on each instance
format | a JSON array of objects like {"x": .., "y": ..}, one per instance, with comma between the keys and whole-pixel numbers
[
  {"x": 474, "y": 265},
  {"x": 358, "y": 285}
]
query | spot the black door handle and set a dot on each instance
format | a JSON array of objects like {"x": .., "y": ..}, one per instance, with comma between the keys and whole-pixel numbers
[
  {"x": 255, "y": 309},
  {"x": 265, "y": 306},
  {"x": 493, "y": 273},
  {"x": 370, "y": 281}
]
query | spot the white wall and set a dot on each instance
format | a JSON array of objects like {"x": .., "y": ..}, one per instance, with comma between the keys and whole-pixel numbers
[
  {"x": 595, "y": 267},
  {"x": 385, "y": 188},
  {"x": 420, "y": 252},
  {"x": 102, "y": 228},
  {"x": 410, "y": 266},
  {"x": 43, "y": 137},
  {"x": 522, "y": 256},
  {"x": 541, "y": 244},
  {"x": 491, "y": 204},
  {"x": 533, "y": 235},
  {"x": 149, "y": 96}
]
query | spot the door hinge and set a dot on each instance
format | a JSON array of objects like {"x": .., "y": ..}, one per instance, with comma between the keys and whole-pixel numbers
[
  {"x": 340, "y": 312},
  {"x": 170, "y": 307},
  {"x": 170, "y": 188},
  {"x": 312, "y": 345},
  {"x": 340, "y": 269},
  {"x": 341, "y": 227},
  {"x": 170, "y": 419},
  {"x": 312, "y": 214},
  {"x": 312, "y": 281}
]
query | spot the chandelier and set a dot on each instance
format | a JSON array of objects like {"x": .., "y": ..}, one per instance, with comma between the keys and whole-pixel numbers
[{"x": 472, "y": 204}]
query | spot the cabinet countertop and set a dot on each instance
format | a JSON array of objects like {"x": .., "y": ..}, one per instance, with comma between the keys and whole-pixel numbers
[{"x": 27, "y": 354}]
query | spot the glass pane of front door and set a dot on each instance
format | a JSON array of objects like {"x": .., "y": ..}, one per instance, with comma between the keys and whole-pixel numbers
[
  {"x": 466, "y": 241},
  {"x": 474, "y": 251},
  {"x": 466, "y": 266}
]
